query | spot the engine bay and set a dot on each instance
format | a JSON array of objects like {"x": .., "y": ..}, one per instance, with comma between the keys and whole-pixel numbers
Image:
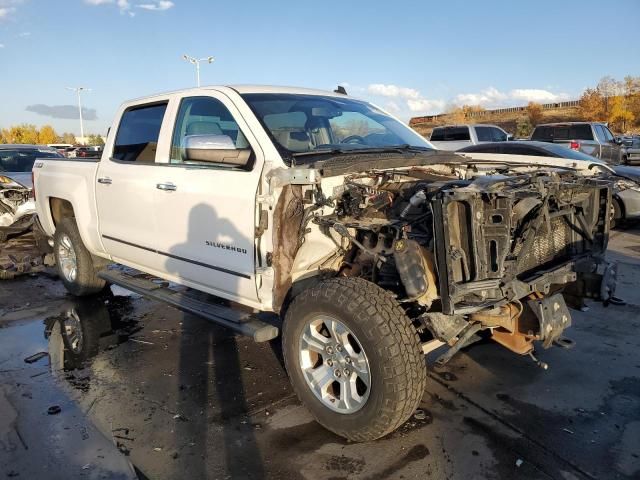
[{"x": 464, "y": 250}]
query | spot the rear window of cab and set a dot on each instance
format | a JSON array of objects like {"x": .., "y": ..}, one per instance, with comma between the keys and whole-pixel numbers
[{"x": 445, "y": 134}]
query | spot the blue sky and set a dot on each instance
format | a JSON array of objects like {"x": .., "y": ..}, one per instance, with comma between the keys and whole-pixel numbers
[{"x": 410, "y": 57}]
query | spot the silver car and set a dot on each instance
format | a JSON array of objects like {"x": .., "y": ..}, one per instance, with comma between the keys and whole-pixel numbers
[{"x": 17, "y": 207}]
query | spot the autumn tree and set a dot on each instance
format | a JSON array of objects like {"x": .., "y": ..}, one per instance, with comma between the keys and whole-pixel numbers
[
  {"x": 24, "y": 133},
  {"x": 534, "y": 112},
  {"x": 591, "y": 105},
  {"x": 609, "y": 88},
  {"x": 456, "y": 115},
  {"x": 619, "y": 115},
  {"x": 47, "y": 135}
]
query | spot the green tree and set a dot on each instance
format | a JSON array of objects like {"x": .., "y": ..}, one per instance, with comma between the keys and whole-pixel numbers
[
  {"x": 523, "y": 127},
  {"x": 95, "y": 140}
]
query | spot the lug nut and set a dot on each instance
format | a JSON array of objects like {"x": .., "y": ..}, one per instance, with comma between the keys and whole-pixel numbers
[
  {"x": 329, "y": 350},
  {"x": 347, "y": 372},
  {"x": 347, "y": 359},
  {"x": 330, "y": 362},
  {"x": 339, "y": 347},
  {"x": 337, "y": 373}
]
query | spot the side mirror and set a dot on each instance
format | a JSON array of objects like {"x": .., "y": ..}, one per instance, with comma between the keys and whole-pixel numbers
[
  {"x": 214, "y": 149},
  {"x": 617, "y": 140},
  {"x": 509, "y": 137}
]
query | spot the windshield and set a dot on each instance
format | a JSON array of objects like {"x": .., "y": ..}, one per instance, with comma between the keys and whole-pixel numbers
[
  {"x": 21, "y": 159},
  {"x": 301, "y": 124}
]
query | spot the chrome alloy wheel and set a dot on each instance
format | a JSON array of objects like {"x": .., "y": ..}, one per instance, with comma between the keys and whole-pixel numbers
[
  {"x": 334, "y": 364},
  {"x": 73, "y": 331},
  {"x": 67, "y": 259}
]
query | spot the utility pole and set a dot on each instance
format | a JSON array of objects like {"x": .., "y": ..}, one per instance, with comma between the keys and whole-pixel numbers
[
  {"x": 196, "y": 62},
  {"x": 78, "y": 90}
]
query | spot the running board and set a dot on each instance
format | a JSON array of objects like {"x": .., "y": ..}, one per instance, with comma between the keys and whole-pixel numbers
[{"x": 240, "y": 322}]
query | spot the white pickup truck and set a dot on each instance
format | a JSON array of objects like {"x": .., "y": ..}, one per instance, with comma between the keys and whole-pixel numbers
[{"x": 372, "y": 247}]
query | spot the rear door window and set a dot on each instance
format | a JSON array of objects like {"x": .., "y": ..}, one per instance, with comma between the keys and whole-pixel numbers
[{"x": 138, "y": 133}]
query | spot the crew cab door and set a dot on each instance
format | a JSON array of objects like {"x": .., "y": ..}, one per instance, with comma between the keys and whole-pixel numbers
[
  {"x": 205, "y": 207},
  {"x": 126, "y": 186}
]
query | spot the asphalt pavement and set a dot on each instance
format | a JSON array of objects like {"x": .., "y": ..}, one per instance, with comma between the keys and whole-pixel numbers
[{"x": 158, "y": 394}]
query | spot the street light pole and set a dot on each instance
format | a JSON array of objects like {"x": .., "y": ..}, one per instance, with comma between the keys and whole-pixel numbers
[
  {"x": 78, "y": 90},
  {"x": 196, "y": 62}
]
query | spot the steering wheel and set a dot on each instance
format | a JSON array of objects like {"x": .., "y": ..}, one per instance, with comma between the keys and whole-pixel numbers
[{"x": 354, "y": 139}]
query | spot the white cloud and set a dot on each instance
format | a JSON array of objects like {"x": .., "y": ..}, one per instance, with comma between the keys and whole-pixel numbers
[
  {"x": 5, "y": 12},
  {"x": 538, "y": 95},
  {"x": 492, "y": 97},
  {"x": 24, "y": 34},
  {"x": 425, "y": 105},
  {"x": 159, "y": 5},
  {"x": 392, "y": 91},
  {"x": 126, "y": 7},
  {"x": 406, "y": 100},
  {"x": 7, "y": 7},
  {"x": 1, "y": 45}
]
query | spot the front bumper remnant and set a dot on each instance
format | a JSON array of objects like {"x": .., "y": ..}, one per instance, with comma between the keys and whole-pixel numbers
[{"x": 553, "y": 315}]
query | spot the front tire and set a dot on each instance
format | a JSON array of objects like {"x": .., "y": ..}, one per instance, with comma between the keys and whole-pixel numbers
[
  {"x": 75, "y": 264},
  {"x": 615, "y": 217},
  {"x": 353, "y": 358}
]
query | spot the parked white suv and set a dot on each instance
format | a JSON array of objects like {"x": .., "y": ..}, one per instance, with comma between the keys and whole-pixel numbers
[
  {"x": 455, "y": 137},
  {"x": 372, "y": 247}
]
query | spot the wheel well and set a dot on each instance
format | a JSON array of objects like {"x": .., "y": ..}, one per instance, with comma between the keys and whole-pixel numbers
[
  {"x": 60, "y": 209},
  {"x": 620, "y": 205}
]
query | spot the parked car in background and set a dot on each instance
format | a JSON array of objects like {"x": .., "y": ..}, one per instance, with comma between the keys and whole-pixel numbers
[
  {"x": 88, "y": 152},
  {"x": 17, "y": 207},
  {"x": 592, "y": 138},
  {"x": 632, "y": 146},
  {"x": 626, "y": 193},
  {"x": 61, "y": 148},
  {"x": 454, "y": 137}
]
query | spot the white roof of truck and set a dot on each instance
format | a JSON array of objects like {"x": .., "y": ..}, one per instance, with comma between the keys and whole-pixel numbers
[{"x": 245, "y": 89}]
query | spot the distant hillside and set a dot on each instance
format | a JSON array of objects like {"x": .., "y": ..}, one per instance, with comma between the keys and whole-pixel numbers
[{"x": 503, "y": 117}]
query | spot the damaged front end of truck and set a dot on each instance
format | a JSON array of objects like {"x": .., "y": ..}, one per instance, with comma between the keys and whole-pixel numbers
[{"x": 469, "y": 248}]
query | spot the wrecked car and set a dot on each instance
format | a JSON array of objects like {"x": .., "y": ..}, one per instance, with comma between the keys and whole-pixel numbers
[
  {"x": 17, "y": 208},
  {"x": 372, "y": 247}
]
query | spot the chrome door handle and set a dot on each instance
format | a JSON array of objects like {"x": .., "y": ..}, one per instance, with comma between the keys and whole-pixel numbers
[
  {"x": 104, "y": 180},
  {"x": 167, "y": 187}
]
